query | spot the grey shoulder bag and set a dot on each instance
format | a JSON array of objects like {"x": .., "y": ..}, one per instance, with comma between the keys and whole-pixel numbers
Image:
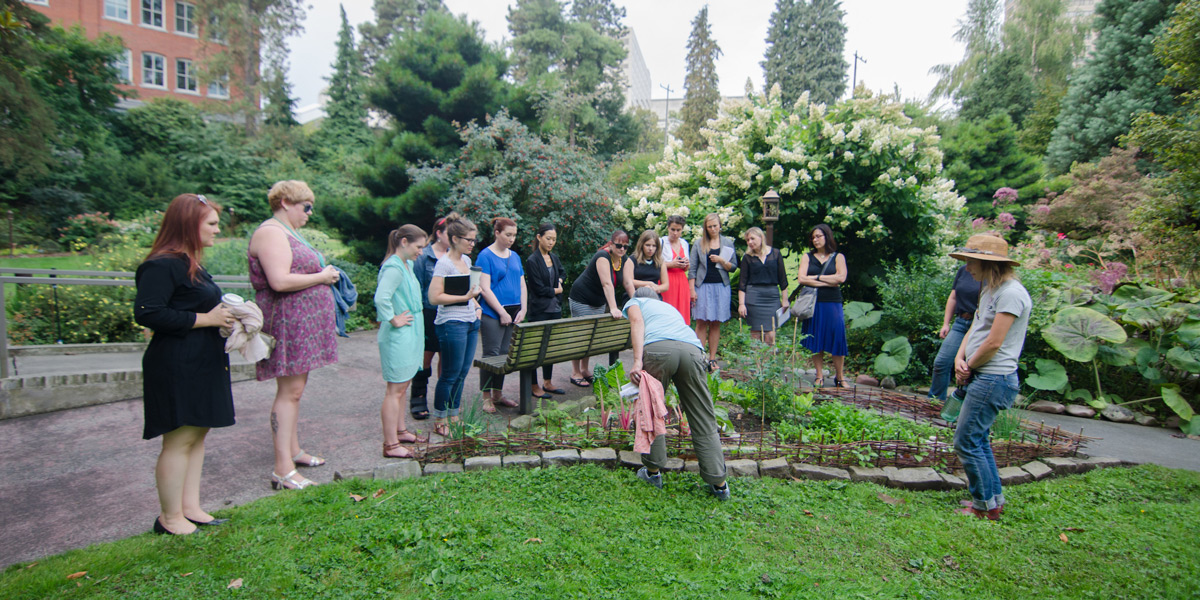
[{"x": 806, "y": 302}]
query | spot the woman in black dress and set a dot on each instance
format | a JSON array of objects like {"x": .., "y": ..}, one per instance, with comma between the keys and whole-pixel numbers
[
  {"x": 186, "y": 371},
  {"x": 544, "y": 275},
  {"x": 649, "y": 268}
]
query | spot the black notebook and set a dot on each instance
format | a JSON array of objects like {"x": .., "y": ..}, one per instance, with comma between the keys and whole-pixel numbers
[{"x": 457, "y": 285}]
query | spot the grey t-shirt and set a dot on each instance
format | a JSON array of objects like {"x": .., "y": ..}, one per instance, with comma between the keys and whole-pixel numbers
[
  {"x": 1010, "y": 297},
  {"x": 465, "y": 312}
]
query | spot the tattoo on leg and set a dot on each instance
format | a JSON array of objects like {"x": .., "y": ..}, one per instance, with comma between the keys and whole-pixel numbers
[{"x": 274, "y": 422}]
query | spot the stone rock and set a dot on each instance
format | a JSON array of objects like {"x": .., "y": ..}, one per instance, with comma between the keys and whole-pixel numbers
[
  {"x": 1117, "y": 414},
  {"x": 522, "y": 461},
  {"x": 917, "y": 478},
  {"x": 888, "y": 383},
  {"x": 402, "y": 469},
  {"x": 482, "y": 463},
  {"x": 691, "y": 466},
  {"x": 923, "y": 390},
  {"x": 866, "y": 380},
  {"x": 954, "y": 482},
  {"x": 776, "y": 467},
  {"x": 870, "y": 474},
  {"x": 443, "y": 469},
  {"x": 1100, "y": 462},
  {"x": 1061, "y": 465},
  {"x": 598, "y": 456},
  {"x": 1173, "y": 422},
  {"x": 629, "y": 459},
  {"x": 1046, "y": 406},
  {"x": 742, "y": 467},
  {"x": 1038, "y": 470},
  {"x": 1014, "y": 476},
  {"x": 907, "y": 389},
  {"x": 819, "y": 473},
  {"x": 360, "y": 474},
  {"x": 560, "y": 458},
  {"x": 1146, "y": 420},
  {"x": 673, "y": 464},
  {"x": 521, "y": 423},
  {"x": 1079, "y": 410}
]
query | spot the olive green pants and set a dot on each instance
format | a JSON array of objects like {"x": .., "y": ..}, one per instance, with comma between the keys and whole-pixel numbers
[{"x": 686, "y": 366}]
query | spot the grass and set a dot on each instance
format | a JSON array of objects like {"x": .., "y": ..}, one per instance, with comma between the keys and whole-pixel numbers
[
  {"x": 66, "y": 262},
  {"x": 587, "y": 532}
]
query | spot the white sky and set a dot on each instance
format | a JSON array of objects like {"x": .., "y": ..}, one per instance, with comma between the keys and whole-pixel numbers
[{"x": 900, "y": 39}]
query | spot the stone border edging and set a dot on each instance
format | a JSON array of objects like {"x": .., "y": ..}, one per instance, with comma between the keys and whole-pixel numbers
[{"x": 914, "y": 478}]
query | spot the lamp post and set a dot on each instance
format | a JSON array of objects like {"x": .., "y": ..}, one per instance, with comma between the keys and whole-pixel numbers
[{"x": 770, "y": 214}]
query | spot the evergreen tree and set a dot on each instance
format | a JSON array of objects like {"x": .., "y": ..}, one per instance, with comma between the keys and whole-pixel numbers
[
  {"x": 980, "y": 32},
  {"x": 983, "y": 156},
  {"x": 702, "y": 95},
  {"x": 604, "y": 16},
  {"x": 392, "y": 18},
  {"x": 1041, "y": 119},
  {"x": 345, "y": 121},
  {"x": 805, "y": 45},
  {"x": 280, "y": 103},
  {"x": 1119, "y": 80},
  {"x": 1003, "y": 86}
]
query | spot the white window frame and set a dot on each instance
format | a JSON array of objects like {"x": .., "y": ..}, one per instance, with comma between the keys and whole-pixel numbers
[
  {"x": 126, "y": 75},
  {"x": 212, "y": 22},
  {"x": 163, "y": 72},
  {"x": 185, "y": 68},
  {"x": 116, "y": 5},
  {"x": 147, "y": 7},
  {"x": 38, "y": 2},
  {"x": 191, "y": 19},
  {"x": 222, "y": 88}
]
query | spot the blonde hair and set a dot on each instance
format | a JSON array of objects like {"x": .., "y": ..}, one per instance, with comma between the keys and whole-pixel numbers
[
  {"x": 995, "y": 273},
  {"x": 703, "y": 237},
  {"x": 291, "y": 190},
  {"x": 647, "y": 235},
  {"x": 762, "y": 248}
]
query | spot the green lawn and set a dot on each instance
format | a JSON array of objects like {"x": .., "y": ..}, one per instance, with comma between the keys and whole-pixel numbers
[
  {"x": 66, "y": 262},
  {"x": 587, "y": 532}
]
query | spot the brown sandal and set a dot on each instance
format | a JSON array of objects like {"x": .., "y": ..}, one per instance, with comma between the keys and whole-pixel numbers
[
  {"x": 408, "y": 437},
  {"x": 506, "y": 401},
  {"x": 404, "y": 452},
  {"x": 488, "y": 407},
  {"x": 442, "y": 428}
]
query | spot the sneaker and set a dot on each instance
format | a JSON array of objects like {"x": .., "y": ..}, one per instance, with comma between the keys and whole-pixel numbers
[
  {"x": 655, "y": 479},
  {"x": 722, "y": 494}
]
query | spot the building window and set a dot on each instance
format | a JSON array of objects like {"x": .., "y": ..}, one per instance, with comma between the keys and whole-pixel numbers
[
  {"x": 214, "y": 30},
  {"x": 117, "y": 10},
  {"x": 219, "y": 88},
  {"x": 154, "y": 70},
  {"x": 185, "y": 76},
  {"x": 185, "y": 18},
  {"x": 152, "y": 13},
  {"x": 42, "y": 2},
  {"x": 124, "y": 67}
]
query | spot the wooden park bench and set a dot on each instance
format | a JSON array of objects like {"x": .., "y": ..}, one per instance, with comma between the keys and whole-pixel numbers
[{"x": 557, "y": 341}]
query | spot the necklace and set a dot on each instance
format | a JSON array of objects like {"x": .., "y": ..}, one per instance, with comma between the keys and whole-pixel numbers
[{"x": 300, "y": 238}]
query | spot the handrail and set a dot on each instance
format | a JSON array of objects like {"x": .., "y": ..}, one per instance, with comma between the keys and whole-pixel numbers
[{"x": 21, "y": 276}]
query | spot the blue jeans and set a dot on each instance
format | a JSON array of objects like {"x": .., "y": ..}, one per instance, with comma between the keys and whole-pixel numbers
[
  {"x": 943, "y": 365},
  {"x": 987, "y": 395},
  {"x": 456, "y": 342}
]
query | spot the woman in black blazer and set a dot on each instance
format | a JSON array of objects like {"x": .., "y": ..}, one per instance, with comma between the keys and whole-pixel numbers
[{"x": 544, "y": 276}]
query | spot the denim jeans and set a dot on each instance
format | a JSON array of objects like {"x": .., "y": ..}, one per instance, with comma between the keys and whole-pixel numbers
[
  {"x": 987, "y": 395},
  {"x": 456, "y": 340},
  {"x": 943, "y": 365}
]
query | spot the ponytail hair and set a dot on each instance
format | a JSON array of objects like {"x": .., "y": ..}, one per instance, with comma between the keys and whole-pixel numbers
[
  {"x": 458, "y": 226},
  {"x": 499, "y": 224},
  {"x": 762, "y": 248},
  {"x": 410, "y": 233},
  {"x": 542, "y": 230}
]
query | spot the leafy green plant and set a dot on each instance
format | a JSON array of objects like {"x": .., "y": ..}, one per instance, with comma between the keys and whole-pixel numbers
[
  {"x": 894, "y": 356},
  {"x": 861, "y": 314},
  {"x": 1078, "y": 334}
]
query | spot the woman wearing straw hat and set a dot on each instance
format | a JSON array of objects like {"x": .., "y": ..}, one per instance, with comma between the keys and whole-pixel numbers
[{"x": 987, "y": 364}]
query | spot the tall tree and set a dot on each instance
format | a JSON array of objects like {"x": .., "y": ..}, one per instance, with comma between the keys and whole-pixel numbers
[
  {"x": 392, "y": 18},
  {"x": 1003, "y": 86},
  {"x": 980, "y": 32},
  {"x": 702, "y": 94},
  {"x": 604, "y": 16},
  {"x": 345, "y": 121},
  {"x": 983, "y": 156},
  {"x": 280, "y": 103},
  {"x": 805, "y": 45},
  {"x": 1119, "y": 79},
  {"x": 243, "y": 34},
  {"x": 1046, "y": 39}
]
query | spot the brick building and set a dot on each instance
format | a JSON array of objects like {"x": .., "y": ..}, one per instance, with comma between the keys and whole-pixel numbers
[{"x": 163, "y": 51}]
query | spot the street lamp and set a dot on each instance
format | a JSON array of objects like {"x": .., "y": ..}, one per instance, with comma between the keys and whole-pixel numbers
[{"x": 770, "y": 214}]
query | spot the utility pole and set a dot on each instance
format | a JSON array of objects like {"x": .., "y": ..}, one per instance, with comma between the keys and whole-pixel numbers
[
  {"x": 854, "y": 84},
  {"x": 666, "y": 117}
]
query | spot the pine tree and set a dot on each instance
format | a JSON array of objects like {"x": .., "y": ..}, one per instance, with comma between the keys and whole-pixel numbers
[
  {"x": 345, "y": 121},
  {"x": 702, "y": 93},
  {"x": 280, "y": 103},
  {"x": 980, "y": 32},
  {"x": 604, "y": 16},
  {"x": 804, "y": 50},
  {"x": 392, "y": 18}
]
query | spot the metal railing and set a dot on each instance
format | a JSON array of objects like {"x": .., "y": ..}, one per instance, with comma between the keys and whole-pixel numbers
[{"x": 56, "y": 277}]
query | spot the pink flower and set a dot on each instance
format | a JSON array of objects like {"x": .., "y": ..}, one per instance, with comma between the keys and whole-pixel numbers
[
  {"x": 1043, "y": 209},
  {"x": 980, "y": 223},
  {"x": 1004, "y": 195},
  {"x": 1062, "y": 236},
  {"x": 1007, "y": 220},
  {"x": 1068, "y": 265}
]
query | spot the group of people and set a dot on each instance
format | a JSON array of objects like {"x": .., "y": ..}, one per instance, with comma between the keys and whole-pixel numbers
[{"x": 431, "y": 295}]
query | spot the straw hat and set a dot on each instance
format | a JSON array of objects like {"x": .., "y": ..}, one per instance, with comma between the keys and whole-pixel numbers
[{"x": 985, "y": 247}]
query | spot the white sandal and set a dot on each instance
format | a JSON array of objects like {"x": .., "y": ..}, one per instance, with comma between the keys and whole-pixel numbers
[
  {"x": 313, "y": 461},
  {"x": 289, "y": 481}
]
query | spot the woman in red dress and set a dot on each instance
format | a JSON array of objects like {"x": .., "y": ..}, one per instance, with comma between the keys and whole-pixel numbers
[{"x": 675, "y": 254}]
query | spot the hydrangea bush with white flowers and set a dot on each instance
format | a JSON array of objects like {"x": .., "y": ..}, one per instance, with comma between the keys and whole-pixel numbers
[{"x": 859, "y": 166}]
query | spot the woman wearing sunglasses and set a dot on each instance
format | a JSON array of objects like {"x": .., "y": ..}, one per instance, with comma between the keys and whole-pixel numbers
[
  {"x": 603, "y": 287},
  {"x": 291, "y": 283}
]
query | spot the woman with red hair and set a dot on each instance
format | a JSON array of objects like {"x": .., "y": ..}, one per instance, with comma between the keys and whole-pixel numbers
[{"x": 185, "y": 386}]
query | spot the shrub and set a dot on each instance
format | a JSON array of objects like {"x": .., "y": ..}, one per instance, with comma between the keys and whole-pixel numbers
[{"x": 86, "y": 230}]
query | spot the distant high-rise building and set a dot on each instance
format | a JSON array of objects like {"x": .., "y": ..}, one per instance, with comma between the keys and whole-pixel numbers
[
  {"x": 637, "y": 75},
  {"x": 162, "y": 44}
]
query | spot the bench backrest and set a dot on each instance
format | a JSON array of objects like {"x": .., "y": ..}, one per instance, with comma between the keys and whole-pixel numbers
[{"x": 560, "y": 340}]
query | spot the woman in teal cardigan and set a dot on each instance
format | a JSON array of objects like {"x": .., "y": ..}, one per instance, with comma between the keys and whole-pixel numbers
[{"x": 401, "y": 334}]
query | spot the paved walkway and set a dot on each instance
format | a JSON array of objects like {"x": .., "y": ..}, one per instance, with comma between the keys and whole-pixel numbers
[{"x": 79, "y": 477}]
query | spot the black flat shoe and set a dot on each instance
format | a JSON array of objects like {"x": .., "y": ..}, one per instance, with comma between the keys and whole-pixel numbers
[
  {"x": 208, "y": 523},
  {"x": 543, "y": 396},
  {"x": 554, "y": 391},
  {"x": 159, "y": 529}
]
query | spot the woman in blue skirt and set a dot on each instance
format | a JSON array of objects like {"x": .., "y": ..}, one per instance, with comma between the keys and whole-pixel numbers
[
  {"x": 826, "y": 330},
  {"x": 712, "y": 260}
]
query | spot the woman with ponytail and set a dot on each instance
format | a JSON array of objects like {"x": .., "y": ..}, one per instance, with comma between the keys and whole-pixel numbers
[
  {"x": 457, "y": 321},
  {"x": 544, "y": 274},
  {"x": 401, "y": 333}
]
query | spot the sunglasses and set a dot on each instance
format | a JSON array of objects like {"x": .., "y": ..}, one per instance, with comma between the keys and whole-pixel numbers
[
  {"x": 308, "y": 208},
  {"x": 621, "y": 246}
]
